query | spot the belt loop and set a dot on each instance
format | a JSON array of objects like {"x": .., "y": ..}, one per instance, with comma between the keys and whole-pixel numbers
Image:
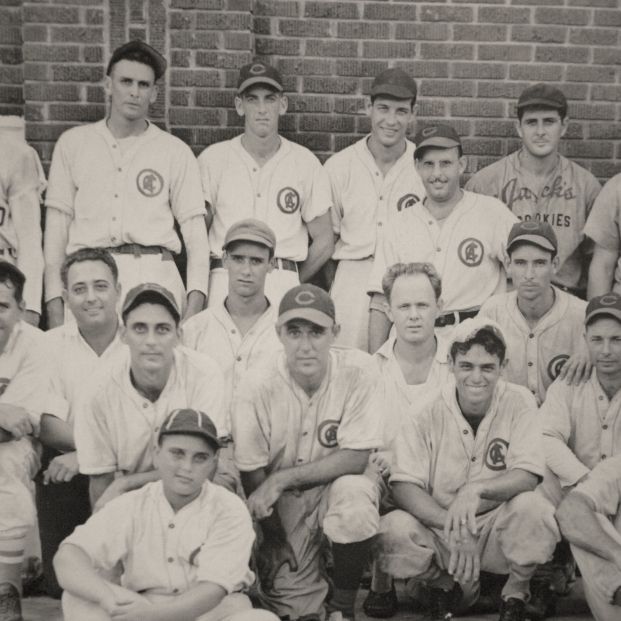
[{"x": 136, "y": 249}]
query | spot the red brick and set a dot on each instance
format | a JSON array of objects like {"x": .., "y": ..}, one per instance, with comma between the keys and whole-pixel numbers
[
  {"x": 10, "y": 17},
  {"x": 313, "y": 141},
  {"x": 197, "y": 4},
  {"x": 438, "y": 13},
  {"x": 181, "y": 20},
  {"x": 363, "y": 124},
  {"x": 199, "y": 77},
  {"x": 489, "y": 127},
  {"x": 277, "y": 8},
  {"x": 70, "y": 34},
  {"x": 606, "y": 92},
  {"x": 278, "y": 47},
  {"x": 179, "y": 97},
  {"x": 607, "y": 56},
  {"x": 608, "y": 131},
  {"x": 38, "y": 91},
  {"x": 214, "y": 98},
  {"x": 194, "y": 40},
  {"x": 593, "y": 111},
  {"x": 10, "y": 35},
  {"x": 388, "y": 49},
  {"x": 344, "y": 141},
  {"x": 447, "y": 88},
  {"x": 363, "y": 30},
  {"x": 76, "y": 73},
  {"x": 93, "y": 54},
  {"x": 585, "y": 148},
  {"x": 332, "y": 9},
  {"x": 604, "y": 170},
  {"x": 425, "y": 68},
  {"x": 536, "y": 73},
  {"x": 137, "y": 33},
  {"x": 239, "y": 5},
  {"x": 477, "y": 108},
  {"x": 557, "y": 54},
  {"x": 307, "y": 66},
  {"x": 35, "y": 71},
  {"x": 11, "y": 55},
  {"x": 431, "y": 107},
  {"x": 593, "y": 36},
  {"x": 95, "y": 94},
  {"x": 223, "y": 21},
  {"x": 570, "y": 17},
  {"x": 330, "y": 85},
  {"x": 262, "y": 26},
  {"x": 539, "y": 34},
  {"x": 455, "y": 51},
  {"x": 590, "y": 74},
  {"x": 307, "y": 103},
  {"x": 34, "y": 33},
  {"x": 76, "y": 112},
  {"x": 350, "y": 105},
  {"x": 503, "y": 15},
  {"x": 11, "y": 75},
  {"x": 539, "y": 2},
  {"x": 51, "y": 14},
  {"x": 238, "y": 41},
  {"x": 329, "y": 48},
  {"x": 402, "y": 11},
  {"x": 590, "y": 4},
  {"x": 304, "y": 28},
  {"x": 607, "y": 18},
  {"x": 222, "y": 60},
  {"x": 500, "y": 89},
  {"x": 326, "y": 123},
  {"x": 359, "y": 68},
  {"x": 45, "y": 132},
  {"x": 468, "y": 32},
  {"x": 477, "y": 146},
  {"x": 194, "y": 116},
  {"x": 479, "y": 70},
  {"x": 52, "y": 53},
  {"x": 421, "y": 32},
  {"x": 504, "y": 52},
  {"x": 34, "y": 112},
  {"x": 11, "y": 94},
  {"x": 94, "y": 17}
]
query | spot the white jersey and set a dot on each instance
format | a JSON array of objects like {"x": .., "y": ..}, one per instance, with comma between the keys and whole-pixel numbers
[
  {"x": 467, "y": 250},
  {"x": 288, "y": 191},
  {"x": 116, "y": 427},
  {"x": 364, "y": 199},
  {"x": 536, "y": 356}
]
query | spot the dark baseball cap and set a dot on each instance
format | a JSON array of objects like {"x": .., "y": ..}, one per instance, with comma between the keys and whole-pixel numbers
[
  {"x": 258, "y": 72},
  {"x": 307, "y": 302},
  {"x": 608, "y": 304},
  {"x": 443, "y": 136},
  {"x": 251, "y": 230},
  {"x": 542, "y": 95},
  {"x": 192, "y": 423},
  {"x": 126, "y": 51},
  {"x": 395, "y": 83},
  {"x": 540, "y": 234},
  {"x": 148, "y": 292}
]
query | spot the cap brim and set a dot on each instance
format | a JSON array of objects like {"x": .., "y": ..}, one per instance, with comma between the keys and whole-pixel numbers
[
  {"x": 257, "y": 239},
  {"x": 536, "y": 240},
  {"x": 612, "y": 312},
  {"x": 437, "y": 141},
  {"x": 258, "y": 80},
  {"x": 132, "y": 303},
  {"x": 539, "y": 101},
  {"x": 393, "y": 90},
  {"x": 309, "y": 314},
  {"x": 192, "y": 432}
]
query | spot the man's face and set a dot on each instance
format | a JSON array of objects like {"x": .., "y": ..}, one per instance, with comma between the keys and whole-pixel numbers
[
  {"x": 531, "y": 268},
  {"x": 390, "y": 119},
  {"x": 91, "y": 294},
  {"x": 151, "y": 334},
  {"x": 603, "y": 337},
  {"x": 261, "y": 106},
  {"x": 476, "y": 375},
  {"x": 440, "y": 170},
  {"x": 541, "y": 131},
  {"x": 131, "y": 88},
  {"x": 10, "y": 312},
  {"x": 248, "y": 265},
  {"x": 413, "y": 308},
  {"x": 307, "y": 347},
  {"x": 185, "y": 462}
]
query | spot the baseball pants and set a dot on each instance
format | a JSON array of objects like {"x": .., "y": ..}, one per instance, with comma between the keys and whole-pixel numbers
[
  {"x": 345, "y": 512},
  {"x": 234, "y": 607},
  {"x": 513, "y": 539}
]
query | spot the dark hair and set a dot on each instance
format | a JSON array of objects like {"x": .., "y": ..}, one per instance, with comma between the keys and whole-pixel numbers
[
  {"x": 392, "y": 98},
  {"x": 231, "y": 246},
  {"x": 137, "y": 56},
  {"x": 88, "y": 254},
  {"x": 487, "y": 339},
  {"x": 420, "y": 152},
  {"x": 561, "y": 111},
  {"x": 151, "y": 297},
  {"x": 524, "y": 242},
  {"x": 410, "y": 269},
  {"x": 13, "y": 278}
]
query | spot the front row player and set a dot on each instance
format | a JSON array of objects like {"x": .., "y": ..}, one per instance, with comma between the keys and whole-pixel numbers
[
  {"x": 183, "y": 543},
  {"x": 463, "y": 476},
  {"x": 304, "y": 426}
]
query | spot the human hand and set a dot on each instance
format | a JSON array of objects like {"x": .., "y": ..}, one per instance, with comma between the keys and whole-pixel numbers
[
  {"x": 464, "y": 562},
  {"x": 271, "y": 557},
  {"x": 16, "y": 421},
  {"x": 576, "y": 370},
  {"x": 463, "y": 511},
  {"x": 261, "y": 501},
  {"x": 116, "y": 488},
  {"x": 61, "y": 469}
]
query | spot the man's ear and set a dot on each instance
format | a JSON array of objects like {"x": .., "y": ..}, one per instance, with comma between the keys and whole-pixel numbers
[
  {"x": 238, "y": 105},
  {"x": 154, "y": 93},
  {"x": 284, "y": 105}
]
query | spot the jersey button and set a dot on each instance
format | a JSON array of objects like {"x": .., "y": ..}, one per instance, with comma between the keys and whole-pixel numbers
[
  {"x": 145, "y": 406},
  {"x": 300, "y": 461},
  {"x": 438, "y": 249},
  {"x": 113, "y": 239},
  {"x": 254, "y": 170},
  {"x": 116, "y": 196},
  {"x": 473, "y": 459},
  {"x": 157, "y": 429},
  {"x": 601, "y": 398},
  {"x": 175, "y": 590},
  {"x": 171, "y": 559},
  {"x": 305, "y": 433},
  {"x": 530, "y": 364},
  {"x": 233, "y": 331},
  {"x": 113, "y": 218},
  {"x": 381, "y": 198},
  {"x": 603, "y": 456},
  {"x": 531, "y": 336},
  {"x": 239, "y": 358},
  {"x": 259, "y": 195},
  {"x": 379, "y": 224},
  {"x": 465, "y": 432},
  {"x": 120, "y": 169},
  {"x": 171, "y": 525},
  {"x": 604, "y": 427}
]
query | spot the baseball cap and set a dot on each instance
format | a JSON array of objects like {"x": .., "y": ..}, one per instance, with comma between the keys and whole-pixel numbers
[
  {"x": 307, "y": 302},
  {"x": 258, "y": 72},
  {"x": 158, "y": 62},
  {"x": 149, "y": 291},
  {"x": 542, "y": 95},
  {"x": 251, "y": 230},
  {"x": 540, "y": 234},
  {"x": 443, "y": 136},
  {"x": 469, "y": 328},
  {"x": 190, "y": 422},
  {"x": 394, "y": 82},
  {"x": 608, "y": 304}
]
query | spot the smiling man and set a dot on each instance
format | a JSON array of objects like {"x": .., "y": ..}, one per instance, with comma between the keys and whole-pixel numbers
[
  {"x": 537, "y": 183},
  {"x": 372, "y": 180},
  {"x": 260, "y": 174},
  {"x": 120, "y": 184}
]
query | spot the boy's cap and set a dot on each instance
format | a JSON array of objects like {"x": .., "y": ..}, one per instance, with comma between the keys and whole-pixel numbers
[
  {"x": 394, "y": 82},
  {"x": 258, "y": 73},
  {"x": 307, "y": 302},
  {"x": 251, "y": 230},
  {"x": 469, "y": 328},
  {"x": 150, "y": 289},
  {"x": 443, "y": 136},
  {"x": 158, "y": 61},
  {"x": 190, "y": 422},
  {"x": 542, "y": 95},
  {"x": 540, "y": 234},
  {"x": 608, "y": 304}
]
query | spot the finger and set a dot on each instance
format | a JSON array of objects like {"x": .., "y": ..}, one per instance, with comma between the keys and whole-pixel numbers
[
  {"x": 46, "y": 477},
  {"x": 476, "y": 570},
  {"x": 579, "y": 375},
  {"x": 271, "y": 576},
  {"x": 448, "y": 522},
  {"x": 69, "y": 474},
  {"x": 453, "y": 562},
  {"x": 467, "y": 575},
  {"x": 472, "y": 521},
  {"x": 459, "y": 571}
]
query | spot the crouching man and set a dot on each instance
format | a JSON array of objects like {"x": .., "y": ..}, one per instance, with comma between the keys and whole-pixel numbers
[
  {"x": 463, "y": 476},
  {"x": 182, "y": 543}
]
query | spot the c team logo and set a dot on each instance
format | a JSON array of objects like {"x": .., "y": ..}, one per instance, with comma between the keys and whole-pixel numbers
[
  {"x": 555, "y": 365},
  {"x": 407, "y": 200},
  {"x": 288, "y": 200},
  {"x": 305, "y": 298},
  {"x": 149, "y": 182},
  {"x": 608, "y": 300},
  {"x": 326, "y": 433},
  {"x": 496, "y": 455},
  {"x": 4, "y": 382},
  {"x": 470, "y": 252},
  {"x": 257, "y": 69}
]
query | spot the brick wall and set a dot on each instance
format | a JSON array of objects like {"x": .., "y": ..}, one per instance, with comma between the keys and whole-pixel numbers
[{"x": 471, "y": 60}]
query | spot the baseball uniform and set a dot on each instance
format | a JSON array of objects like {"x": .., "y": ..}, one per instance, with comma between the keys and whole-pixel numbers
[
  {"x": 125, "y": 195},
  {"x": 276, "y": 425},
  {"x": 288, "y": 191},
  {"x": 363, "y": 200},
  {"x": 536, "y": 355},
  {"x": 438, "y": 451},
  {"x": 601, "y": 578},
  {"x": 467, "y": 248},
  {"x": 603, "y": 226},
  {"x": 564, "y": 200},
  {"x": 21, "y": 182},
  {"x": 164, "y": 553}
]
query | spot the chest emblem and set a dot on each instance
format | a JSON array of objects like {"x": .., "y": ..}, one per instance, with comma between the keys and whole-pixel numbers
[
  {"x": 149, "y": 182},
  {"x": 555, "y": 365},
  {"x": 288, "y": 200},
  {"x": 496, "y": 456},
  {"x": 407, "y": 200},
  {"x": 327, "y": 432},
  {"x": 470, "y": 252}
]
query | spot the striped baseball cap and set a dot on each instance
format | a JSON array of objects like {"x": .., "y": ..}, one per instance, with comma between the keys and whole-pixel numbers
[{"x": 190, "y": 422}]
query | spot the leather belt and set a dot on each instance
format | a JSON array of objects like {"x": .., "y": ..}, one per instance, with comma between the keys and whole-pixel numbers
[
  {"x": 450, "y": 319},
  {"x": 139, "y": 249},
  {"x": 281, "y": 264}
]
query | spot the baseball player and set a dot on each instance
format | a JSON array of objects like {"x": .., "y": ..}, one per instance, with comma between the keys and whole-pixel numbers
[
  {"x": 21, "y": 182},
  {"x": 239, "y": 333},
  {"x": 371, "y": 181},
  {"x": 463, "y": 477},
  {"x": 590, "y": 517},
  {"x": 543, "y": 325},
  {"x": 120, "y": 184},
  {"x": 603, "y": 228},
  {"x": 538, "y": 183},
  {"x": 304, "y": 426},
  {"x": 22, "y": 401},
  {"x": 262, "y": 175},
  {"x": 461, "y": 233},
  {"x": 122, "y": 409},
  {"x": 76, "y": 350},
  {"x": 182, "y": 543}
]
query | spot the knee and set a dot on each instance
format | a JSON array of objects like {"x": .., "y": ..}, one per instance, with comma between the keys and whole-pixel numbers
[
  {"x": 253, "y": 615},
  {"x": 397, "y": 530},
  {"x": 531, "y": 507}
]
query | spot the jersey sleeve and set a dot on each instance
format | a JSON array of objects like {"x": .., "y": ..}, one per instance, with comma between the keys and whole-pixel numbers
[
  {"x": 504, "y": 221},
  {"x": 336, "y": 208},
  {"x": 483, "y": 182},
  {"x": 319, "y": 199},
  {"x": 186, "y": 191},
  {"x": 27, "y": 174},
  {"x": 61, "y": 189},
  {"x": 209, "y": 162},
  {"x": 385, "y": 256},
  {"x": 525, "y": 450},
  {"x": 603, "y": 486},
  {"x": 602, "y": 225},
  {"x": 411, "y": 453}
]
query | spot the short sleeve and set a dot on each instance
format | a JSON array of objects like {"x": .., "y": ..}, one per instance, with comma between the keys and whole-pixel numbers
[
  {"x": 503, "y": 222},
  {"x": 385, "y": 256},
  {"x": 27, "y": 174},
  {"x": 319, "y": 199},
  {"x": 61, "y": 188},
  {"x": 603, "y": 486},
  {"x": 525, "y": 449},
  {"x": 186, "y": 191},
  {"x": 411, "y": 453},
  {"x": 336, "y": 209},
  {"x": 602, "y": 225},
  {"x": 208, "y": 163}
]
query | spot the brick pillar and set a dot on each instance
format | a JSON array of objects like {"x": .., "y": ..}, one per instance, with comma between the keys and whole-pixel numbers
[{"x": 11, "y": 59}]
